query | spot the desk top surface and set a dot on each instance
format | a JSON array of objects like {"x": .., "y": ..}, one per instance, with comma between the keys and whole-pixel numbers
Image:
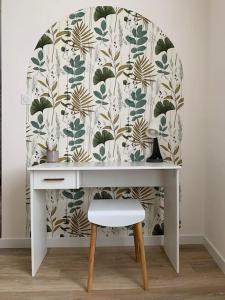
[{"x": 82, "y": 166}]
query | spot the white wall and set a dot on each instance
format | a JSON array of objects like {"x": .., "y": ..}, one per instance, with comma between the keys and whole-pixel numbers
[
  {"x": 23, "y": 23},
  {"x": 215, "y": 143}
]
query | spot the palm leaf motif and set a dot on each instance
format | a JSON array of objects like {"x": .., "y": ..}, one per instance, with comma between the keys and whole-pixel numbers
[
  {"x": 82, "y": 38},
  {"x": 80, "y": 101},
  {"x": 144, "y": 194},
  {"x": 140, "y": 136},
  {"x": 79, "y": 224},
  {"x": 143, "y": 69},
  {"x": 80, "y": 155}
]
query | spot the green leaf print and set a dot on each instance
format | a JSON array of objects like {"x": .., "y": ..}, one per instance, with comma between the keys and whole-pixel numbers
[
  {"x": 41, "y": 105},
  {"x": 137, "y": 104},
  {"x": 103, "y": 12},
  {"x": 163, "y": 45},
  {"x": 44, "y": 40},
  {"x": 102, "y": 75},
  {"x": 163, "y": 107},
  {"x": 102, "y": 138},
  {"x": 138, "y": 38}
]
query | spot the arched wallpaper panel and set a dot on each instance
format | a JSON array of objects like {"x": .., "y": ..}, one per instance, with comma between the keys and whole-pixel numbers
[{"x": 97, "y": 78}]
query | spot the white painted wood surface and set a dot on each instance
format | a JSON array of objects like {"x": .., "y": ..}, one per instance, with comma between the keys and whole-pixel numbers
[
  {"x": 54, "y": 179},
  {"x": 93, "y": 174},
  {"x": 171, "y": 217},
  {"x": 115, "y": 213},
  {"x": 103, "y": 165},
  {"x": 38, "y": 227},
  {"x": 121, "y": 178}
]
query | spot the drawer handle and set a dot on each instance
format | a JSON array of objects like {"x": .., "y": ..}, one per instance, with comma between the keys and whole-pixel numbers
[{"x": 54, "y": 179}]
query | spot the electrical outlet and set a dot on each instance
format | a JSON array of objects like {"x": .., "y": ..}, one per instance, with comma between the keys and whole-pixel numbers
[{"x": 26, "y": 99}]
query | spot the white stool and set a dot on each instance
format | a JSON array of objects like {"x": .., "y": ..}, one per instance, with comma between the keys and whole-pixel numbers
[{"x": 117, "y": 213}]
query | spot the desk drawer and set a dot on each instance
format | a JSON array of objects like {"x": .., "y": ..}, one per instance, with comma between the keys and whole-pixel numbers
[
  {"x": 55, "y": 180},
  {"x": 121, "y": 178}
]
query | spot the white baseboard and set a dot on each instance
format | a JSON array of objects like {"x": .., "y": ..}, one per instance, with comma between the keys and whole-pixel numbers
[
  {"x": 84, "y": 242},
  {"x": 15, "y": 243},
  {"x": 102, "y": 241},
  {"x": 216, "y": 255},
  {"x": 188, "y": 239},
  {"x": 119, "y": 241}
]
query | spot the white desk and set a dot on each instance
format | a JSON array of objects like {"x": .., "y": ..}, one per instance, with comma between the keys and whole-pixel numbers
[{"x": 127, "y": 174}]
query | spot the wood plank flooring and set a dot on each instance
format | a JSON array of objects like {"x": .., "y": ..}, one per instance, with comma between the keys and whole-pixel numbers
[{"x": 63, "y": 275}]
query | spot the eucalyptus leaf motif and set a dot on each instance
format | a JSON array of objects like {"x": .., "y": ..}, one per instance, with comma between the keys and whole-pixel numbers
[
  {"x": 38, "y": 62},
  {"x": 75, "y": 197},
  {"x": 163, "y": 65},
  {"x": 136, "y": 156},
  {"x": 67, "y": 194},
  {"x": 75, "y": 69},
  {"x": 138, "y": 39},
  {"x": 102, "y": 32},
  {"x": 76, "y": 17},
  {"x": 75, "y": 132},
  {"x": 101, "y": 95},
  {"x": 137, "y": 103}
]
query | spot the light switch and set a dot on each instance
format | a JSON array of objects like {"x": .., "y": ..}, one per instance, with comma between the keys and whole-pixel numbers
[{"x": 26, "y": 99}]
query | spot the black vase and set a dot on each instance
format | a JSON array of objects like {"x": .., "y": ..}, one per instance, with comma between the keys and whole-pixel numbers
[{"x": 156, "y": 155}]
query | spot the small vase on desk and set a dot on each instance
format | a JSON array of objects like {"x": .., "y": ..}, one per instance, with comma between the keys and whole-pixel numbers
[
  {"x": 52, "y": 153},
  {"x": 52, "y": 156}
]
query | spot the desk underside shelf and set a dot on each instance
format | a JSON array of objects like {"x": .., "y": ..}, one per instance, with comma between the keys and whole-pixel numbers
[{"x": 101, "y": 175}]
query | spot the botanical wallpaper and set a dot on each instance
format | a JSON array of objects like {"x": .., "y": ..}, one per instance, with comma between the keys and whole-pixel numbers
[{"x": 97, "y": 78}]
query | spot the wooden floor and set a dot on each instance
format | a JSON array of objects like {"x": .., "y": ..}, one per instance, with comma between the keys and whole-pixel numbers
[{"x": 63, "y": 275}]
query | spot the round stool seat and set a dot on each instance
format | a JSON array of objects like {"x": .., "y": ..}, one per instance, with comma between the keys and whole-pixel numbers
[{"x": 115, "y": 213}]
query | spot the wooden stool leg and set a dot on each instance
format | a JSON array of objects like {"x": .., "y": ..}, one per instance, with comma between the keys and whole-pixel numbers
[
  {"x": 91, "y": 256},
  {"x": 142, "y": 254},
  {"x": 136, "y": 245}
]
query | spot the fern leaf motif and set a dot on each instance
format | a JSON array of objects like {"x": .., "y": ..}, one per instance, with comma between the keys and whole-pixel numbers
[
  {"x": 82, "y": 38},
  {"x": 143, "y": 70},
  {"x": 81, "y": 101},
  {"x": 80, "y": 155},
  {"x": 140, "y": 136},
  {"x": 145, "y": 195},
  {"x": 79, "y": 224}
]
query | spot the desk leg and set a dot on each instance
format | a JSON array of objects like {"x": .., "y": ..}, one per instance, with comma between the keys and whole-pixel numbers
[
  {"x": 38, "y": 229},
  {"x": 171, "y": 217}
]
